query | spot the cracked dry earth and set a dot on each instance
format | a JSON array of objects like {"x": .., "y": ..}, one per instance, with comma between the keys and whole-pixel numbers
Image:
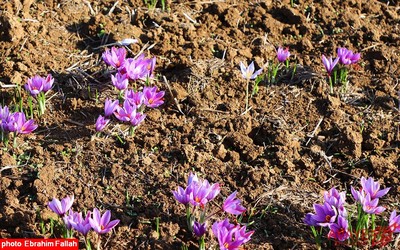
[{"x": 296, "y": 141}]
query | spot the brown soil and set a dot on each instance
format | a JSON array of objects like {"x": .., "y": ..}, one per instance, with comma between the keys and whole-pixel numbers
[{"x": 276, "y": 155}]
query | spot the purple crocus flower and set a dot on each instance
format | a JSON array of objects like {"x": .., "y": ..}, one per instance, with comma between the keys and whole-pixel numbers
[
  {"x": 370, "y": 205},
  {"x": 198, "y": 196},
  {"x": 324, "y": 215},
  {"x": 214, "y": 190},
  {"x": 282, "y": 54},
  {"x": 151, "y": 66},
  {"x": 110, "y": 106},
  {"x": 38, "y": 84},
  {"x": 329, "y": 63},
  {"x": 126, "y": 112},
  {"x": 230, "y": 236},
  {"x": 61, "y": 207},
  {"x": 136, "y": 98},
  {"x": 248, "y": 73},
  {"x": 4, "y": 114},
  {"x": 136, "y": 68},
  {"x": 137, "y": 118},
  {"x": 371, "y": 187},
  {"x": 120, "y": 81},
  {"x": 199, "y": 229},
  {"x": 339, "y": 230},
  {"x": 394, "y": 222},
  {"x": 34, "y": 85},
  {"x": 101, "y": 123},
  {"x": 336, "y": 199},
  {"x": 347, "y": 56},
  {"x": 102, "y": 224},
  {"x": 115, "y": 57},
  {"x": 48, "y": 83},
  {"x": 17, "y": 123},
  {"x": 232, "y": 205},
  {"x": 152, "y": 98},
  {"x": 182, "y": 195},
  {"x": 309, "y": 220},
  {"x": 192, "y": 178},
  {"x": 68, "y": 218},
  {"x": 81, "y": 225}
]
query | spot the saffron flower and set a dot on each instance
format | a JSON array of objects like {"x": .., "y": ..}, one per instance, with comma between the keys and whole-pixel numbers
[
  {"x": 324, "y": 215},
  {"x": 282, "y": 54},
  {"x": 61, "y": 207},
  {"x": 370, "y": 205},
  {"x": 138, "y": 68},
  {"x": 199, "y": 229},
  {"x": 37, "y": 87},
  {"x": 372, "y": 188},
  {"x": 120, "y": 81},
  {"x": 200, "y": 191},
  {"x": 214, "y": 190},
  {"x": 152, "y": 98},
  {"x": 232, "y": 205},
  {"x": 48, "y": 83},
  {"x": 17, "y": 123},
  {"x": 81, "y": 225},
  {"x": 394, "y": 222},
  {"x": 114, "y": 57},
  {"x": 182, "y": 195},
  {"x": 101, "y": 123},
  {"x": 37, "y": 84},
  {"x": 309, "y": 220},
  {"x": 347, "y": 56},
  {"x": 102, "y": 224},
  {"x": 126, "y": 112},
  {"x": 248, "y": 72},
  {"x": 336, "y": 199},
  {"x": 151, "y": 66},
  {"x": 4, "y": 114},
  {"x": 135, "y": 98},
  {"x": 339, "y": 230},
  {"x": 68, "y": 218},
  {"x": 110, "y": 106},
  {"x": 137, "y": 118},
  {"x": 329, "y": 64},
  {"x": 230, "y": 236}
]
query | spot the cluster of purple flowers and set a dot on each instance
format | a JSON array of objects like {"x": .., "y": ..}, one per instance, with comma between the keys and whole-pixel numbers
[
  {"x": 344, "y": 58},
  {"x": 15, "y": 122},
  {"x": 199, "y": 193},
  {"x": 140, "y": 68},
  {"x": 332, "y": 212},
  {"x": 248, "y": 72},
  {"x": 101, "y": 224},
  {"x": 131, "y": 104},
  {"x": 368, "y": 196},
  {"x": 38, "y": 86}
]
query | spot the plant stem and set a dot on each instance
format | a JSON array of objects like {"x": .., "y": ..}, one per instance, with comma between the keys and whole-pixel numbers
[
  {"x": 188, "y": 218},
  {"x": 87, "y": 243},
  {"x": 202, "y": 244},
  {"x": 247, "y": 95},
  {"x": 330, "y": 85},
  {"x": 132, "y": 130}
]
